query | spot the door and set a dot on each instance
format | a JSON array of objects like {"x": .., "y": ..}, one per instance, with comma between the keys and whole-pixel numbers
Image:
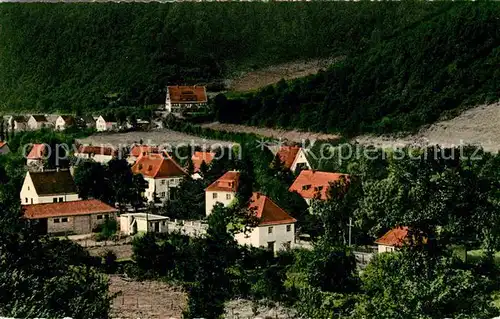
[{"x": 270, "y": 246}]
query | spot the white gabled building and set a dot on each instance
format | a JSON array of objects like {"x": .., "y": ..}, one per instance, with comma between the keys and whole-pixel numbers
[
  {"x": 105, "y": 124},
  {"x": 48, "y": 187},
  {"x": 64, "y": 121},
  {"x": 161, "y": 173},
  {"x": 223, "y": 191},
  {"x": 275, "y": 230},
  {"x": 98, "y": 154},
  {"x": 293, "y": 158},
  {"x": 36, "y": 122},
  {"x": 18, "y": 123}
]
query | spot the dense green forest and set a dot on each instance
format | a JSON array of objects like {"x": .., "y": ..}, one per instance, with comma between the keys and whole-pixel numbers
[
  {"x": 60, "y": 57},
  {"x": 433, "y": 68}
]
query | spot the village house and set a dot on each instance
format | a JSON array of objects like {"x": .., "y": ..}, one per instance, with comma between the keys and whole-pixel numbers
[
  {"x": 141, "y": 150},
  {"x": 185, "y": 98},
  {"x": 64, "y": 121},
  {"x": 312, "y": 184},
  {"x": 98, "y": 154},
  {"x": 86, "y": 121},
  {"x": 105, "y": 123},
  {"x": 18, "y": 123},
  {"x": 161, "y": 173},
  {"x": 48, "y": 187},
  {"x": 4, "y": 148},
  {"x": 293, "y": 158},
  {"x": 223, "y": 190},
  {"x": 36, "y": 156},
  {"x": 133, "y": 223},
  {"x": 36, "y": 122},
  {"x": 395, "y": 239},
  {"x": 198, "y": 158},
  {"x": 275, "y": 230},
  {"x": 69, "y": 217}
]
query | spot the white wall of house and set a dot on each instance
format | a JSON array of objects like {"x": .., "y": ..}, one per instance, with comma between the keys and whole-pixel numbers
[
  {"x": 29, "y": 195},
  {"x": 280, "y": 236},
  {"x": 60, "y": 124},
  {"x": 168, "y": 104},
  {"x": 100, "y": 158},
  {"x": 161, "y": 187},
  {"x": 212, "y": 198},
  {"x": 385, "y": 248},
  {"x": 18, "y": 126},
  {"x": 101, "y": 125},
  {"x": 156, "y": 224},
  {"x": 300, "y": 160},
  {"x": 34, "y": 125}
]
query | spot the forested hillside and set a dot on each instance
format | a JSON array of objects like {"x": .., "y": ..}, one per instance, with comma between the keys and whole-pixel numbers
[
  {"x": 435, "y": 67},
  {"x": 71, "y": 57}
]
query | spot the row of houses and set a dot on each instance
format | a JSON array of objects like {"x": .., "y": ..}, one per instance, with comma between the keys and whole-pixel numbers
[{"x": 51, "y": 197}]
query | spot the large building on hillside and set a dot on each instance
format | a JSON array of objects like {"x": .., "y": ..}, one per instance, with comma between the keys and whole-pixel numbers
[
  {"x": 161, "y": 173},
  {"x": 48, "y": 187},
  {"x": 315, "y": 184},
  {"x": 185, "y": 98},
  {"x": 98, "y": 154}
]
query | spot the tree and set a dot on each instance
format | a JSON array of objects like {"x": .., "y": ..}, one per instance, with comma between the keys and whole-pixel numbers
[
  {"x": 188, "y": 200},
  {"x": 411, "y": 284},
  {"x": 124, "y": 187},
  {"x": 90, "y": 180}
]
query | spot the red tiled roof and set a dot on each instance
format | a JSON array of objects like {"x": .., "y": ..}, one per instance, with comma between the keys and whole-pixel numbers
[
  {"x": 37, "y": 152},
  {"x": 309, "y": 183},
  {"x": 138, "y": 150},
  {"x": 200, "y": 157},
  {"x": 80, "y": 207},
  {"x": 187, "y": 94},
  {"x": 394, "y": 237},
  {"x": 287, "y": 155},
  {"x": 226, "y": 183},
  {"x": 97, "y": 150},
  {"x": 157, "y": 166},
  {"x": 268, "y": 212}
]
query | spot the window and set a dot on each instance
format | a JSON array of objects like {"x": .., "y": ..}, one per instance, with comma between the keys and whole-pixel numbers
[
  {"x": 288, "y": 228},
  {"x": 54, "y": 200},
  {"x": 64, "y": 220},
  {"x": 287, "y": 245},
  {"x": 214, "y": 195},
  {"x": 162, "y": 194},
  {"x": 61, "y": 199},
  {"x": 270, "y": 230},
  {"x": 270, "y": 246},
  {"x": 163, "y": 182},
  {"x": 56, "y": 220},
  {"x": 26, "y": 199},
  {"x": 28, "y": 188},
  {"x": 228, "y": 196},
  {"x": 99, "y": 217}
]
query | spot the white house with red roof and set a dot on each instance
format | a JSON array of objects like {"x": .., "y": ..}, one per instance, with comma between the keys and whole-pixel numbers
[
  {"x": 395, "y": 239},
  {"x": 99, "y": 154},
  {"x": 105, "y": 123},
  {"x": 161, "y": 173},
  {"x": 293, "y": 158},
  {"x": 36, "y": 156},
  {"x": 141, "y": 150},
  {"x": 185, "y": 98},
  {"x": 48, "y": 187},
  {"x": 276, "y": 228},
  {"x": 71, "y": 217},
  {"x": 312, "y": 184},
  {"x": 38, "y": 121},
  {"x": 64, "y": 121},
  {"x": 223, "y": 191}
]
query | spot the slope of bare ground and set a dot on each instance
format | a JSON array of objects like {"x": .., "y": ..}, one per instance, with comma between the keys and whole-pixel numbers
[
  {"x": 284, "y": 135},
  {"x": 256, "y": 79},
  {"x": 476, "y": 126},
  {"x": 164, "y": 137},
  {"x": 146, "y": 299}
]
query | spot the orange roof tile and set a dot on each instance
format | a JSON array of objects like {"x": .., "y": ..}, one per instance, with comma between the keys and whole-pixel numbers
[
  {"x": 200, "y": 157},
  {"x": 97, "y": 150},
  {"x": 37, "y": 152},
  {"x": 139, "y": 150},
  {"x": 287, "y": 155},
  {"x": 268, "y": 212},
  {"x": 394, "y": 237},
  {"x": 226, "y": 183},
  {"x": 187, "y": 94},
  {"x": 310, "y": 182},
  {"x": 75, "y": 208},
  {"x": 157, "y": 166}
]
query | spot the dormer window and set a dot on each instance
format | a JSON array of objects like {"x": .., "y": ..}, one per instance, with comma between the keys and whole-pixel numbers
[
  {"x": 140, "y": 166},
  {"x": 306, "y": 187},
  {"x": 150, "y": 167}
]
